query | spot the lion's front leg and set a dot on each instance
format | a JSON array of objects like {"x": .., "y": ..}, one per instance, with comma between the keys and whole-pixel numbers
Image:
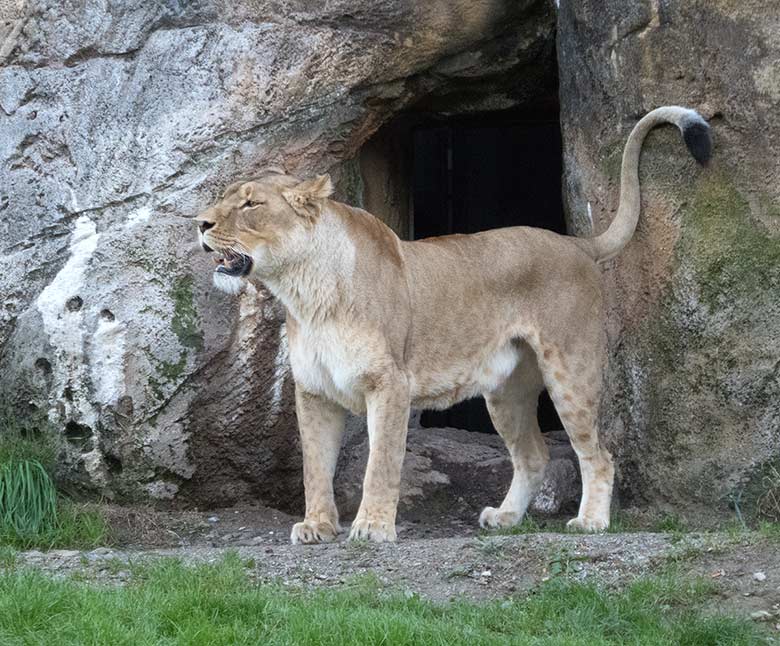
[
  {"x": 321, "y": 424},
  {"x": 388, "y": 418}
]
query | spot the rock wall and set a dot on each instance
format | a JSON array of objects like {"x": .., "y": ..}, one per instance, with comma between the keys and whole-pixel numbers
[
  {"x": 692, "y": 410},
  {"x": 121, "y": 120}
]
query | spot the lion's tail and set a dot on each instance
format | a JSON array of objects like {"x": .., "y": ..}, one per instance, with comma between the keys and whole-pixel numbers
[{"x": 695, "y": 132}]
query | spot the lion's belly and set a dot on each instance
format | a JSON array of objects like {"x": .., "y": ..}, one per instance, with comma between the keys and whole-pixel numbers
[
  {"x": 331, "y": 363},
  {"x": 445, "y": 386}
]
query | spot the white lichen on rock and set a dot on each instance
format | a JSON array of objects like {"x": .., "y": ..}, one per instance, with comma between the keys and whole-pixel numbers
[
  {"x": 64, "y": 324},
  {"x": 107, "y": 361}
]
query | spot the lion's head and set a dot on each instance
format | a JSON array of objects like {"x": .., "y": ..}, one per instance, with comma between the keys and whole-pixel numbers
[{"x": 259, "y": 225}]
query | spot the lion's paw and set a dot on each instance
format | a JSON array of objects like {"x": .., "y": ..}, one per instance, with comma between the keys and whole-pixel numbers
[
  {"x": 491, "y": 518},
  {"x": 376, "y": 531},
  {"x": 311, "y": 531},
  {"x": 588, "y": 524}
]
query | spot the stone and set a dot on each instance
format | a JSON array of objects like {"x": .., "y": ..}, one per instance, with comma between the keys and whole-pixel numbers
[
  {"x": 455, "y": 473},
  {"x": 64, "y": 554},
  {"x": 761, "y": 615},
  {"x": 691, "y": 407}
]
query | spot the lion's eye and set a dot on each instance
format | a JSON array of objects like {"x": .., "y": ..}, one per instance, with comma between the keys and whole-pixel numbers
[{"x": 250, "y": 204}]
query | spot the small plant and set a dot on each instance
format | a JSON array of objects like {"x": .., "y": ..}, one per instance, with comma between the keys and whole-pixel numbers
[
  {"x": 528, "y": 525},
  {"x": 672, "y": 524},
  {"x": 32, "y": 514},
  {"x": 769, "y": 501},
  {"x": 769, "y": 530},
  {"x": 359, "y": 546},
  {"x": 564, "y": 562},
  {"x": 460, "y": 572},
  {"x": 490, "y": 546},
  {"x": 8, "y": 557},
  {"x": 28, "y": 500}
]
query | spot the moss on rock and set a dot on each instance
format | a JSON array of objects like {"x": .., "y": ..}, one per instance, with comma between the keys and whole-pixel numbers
[
  {"x": 703, "y": 387},
  {"x": 185, "y": 323},
  {"x": 732, "y": 256}
]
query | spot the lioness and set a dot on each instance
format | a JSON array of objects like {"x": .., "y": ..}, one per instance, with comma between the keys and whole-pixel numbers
[{"x": 377, "y": 324}]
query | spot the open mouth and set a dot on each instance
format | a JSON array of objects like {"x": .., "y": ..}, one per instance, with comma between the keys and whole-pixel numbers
[{"x": 232, "y": 263}]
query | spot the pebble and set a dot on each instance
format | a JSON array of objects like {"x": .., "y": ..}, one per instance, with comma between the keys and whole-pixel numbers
[
  {"x": 761, "y": 615},
  {"x": 759, "y": 576},
  {"x": 212, "y": 519}
]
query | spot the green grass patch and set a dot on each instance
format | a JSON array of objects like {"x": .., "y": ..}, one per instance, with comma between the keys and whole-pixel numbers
[
  {"x": 8, "y": 556},
  {"x": 77, "y": 526},
  {"x": 671, "y": 524},
  {"x": 529, "y": 525},
  {"x": 170, "y": 603},
  {"x": 28, "y": 499},
  {"x": 32, "y": 513},
  {"x": 620, "y": 523},
  {"x": 769, "y": 530}
]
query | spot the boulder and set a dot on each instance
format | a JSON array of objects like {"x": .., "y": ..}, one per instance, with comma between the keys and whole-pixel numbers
[
  {"x": 692, "y": 408},
  {"x": 455, "y": 473}
]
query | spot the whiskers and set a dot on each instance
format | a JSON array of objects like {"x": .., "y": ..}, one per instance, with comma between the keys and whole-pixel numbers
[{"x": 239, "y": 249}]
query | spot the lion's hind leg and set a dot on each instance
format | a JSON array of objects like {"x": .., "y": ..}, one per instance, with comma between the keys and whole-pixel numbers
[
  {"x": 573, "y": 379},
  {"x": 512, "y": 409}
]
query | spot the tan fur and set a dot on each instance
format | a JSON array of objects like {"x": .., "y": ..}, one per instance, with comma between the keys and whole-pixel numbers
[{"x": 379, "y": 325}]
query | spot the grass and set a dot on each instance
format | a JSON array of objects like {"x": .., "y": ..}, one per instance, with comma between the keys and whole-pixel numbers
[
  {"x": 769, "y": 530},
  {"x": 563, "y": 562},
  {"x": 28, "y": 499},
  {"x": 620, "y": 523},
  {"x": 8, "y": 556},
  {"x": 170, "y": 603},
  {"x": 32, "y": 513},
  {"x": 77, "y": 526}
]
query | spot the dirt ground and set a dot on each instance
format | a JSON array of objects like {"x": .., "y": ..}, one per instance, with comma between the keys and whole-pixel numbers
[{"x": 441, "y": 559}]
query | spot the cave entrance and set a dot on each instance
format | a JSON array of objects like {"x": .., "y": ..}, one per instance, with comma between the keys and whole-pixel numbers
[{"x": 432, "y": 175}]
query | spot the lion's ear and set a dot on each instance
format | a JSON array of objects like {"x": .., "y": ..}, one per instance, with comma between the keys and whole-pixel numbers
[
  {"x": 305, "y": 198},
  {"x": 246, "y": 191},
  {"x": 232, "y": 188}
]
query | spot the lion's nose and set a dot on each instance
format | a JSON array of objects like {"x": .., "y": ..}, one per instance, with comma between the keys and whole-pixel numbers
[{"x": 205, "y": 226}]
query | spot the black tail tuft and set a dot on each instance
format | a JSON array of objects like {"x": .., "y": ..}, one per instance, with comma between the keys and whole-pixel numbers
[{"x": 697, "y": 137}]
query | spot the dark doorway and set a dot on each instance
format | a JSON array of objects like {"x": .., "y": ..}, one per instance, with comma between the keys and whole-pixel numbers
[{"x": 484, "y": 172}]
